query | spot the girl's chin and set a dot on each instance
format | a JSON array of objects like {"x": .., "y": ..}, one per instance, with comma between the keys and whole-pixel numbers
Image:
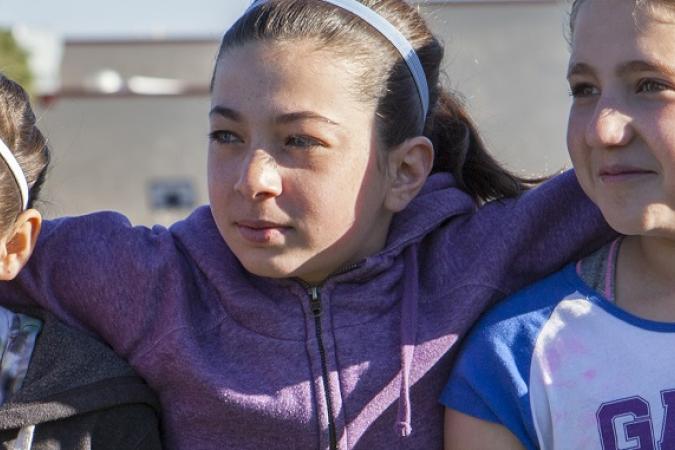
[
  {"x": 639, "y": 218},
  {"x": 268, "y": 269},
  {"x": 643, "y": 228},
  {"x": 263, "y": 270},
  {"x": 626, "y": 228}
]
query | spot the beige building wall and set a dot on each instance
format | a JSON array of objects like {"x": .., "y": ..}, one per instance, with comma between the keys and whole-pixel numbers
[
  {"x": 508, "y": 58},
  {"x": 110, "y": 150}
]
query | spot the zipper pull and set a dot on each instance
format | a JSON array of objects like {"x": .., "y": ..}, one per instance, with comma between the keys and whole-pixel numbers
[{"x": 315, "y": 301}]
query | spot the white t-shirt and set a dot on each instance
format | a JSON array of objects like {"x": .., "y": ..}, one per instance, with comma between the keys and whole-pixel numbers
[{"x": 563, "y": 367}]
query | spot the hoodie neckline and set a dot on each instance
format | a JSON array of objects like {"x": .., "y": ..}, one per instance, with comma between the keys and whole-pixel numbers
[
  {"x": 439, "y": 200},
  {"x": 273, "y": 307}
]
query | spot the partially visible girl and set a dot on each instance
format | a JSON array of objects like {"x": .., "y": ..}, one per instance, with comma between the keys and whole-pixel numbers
[
  {"x": 59, "y": 388},
  {"x": 584, "y": 358},
  {"x": 316, "y": 303}
]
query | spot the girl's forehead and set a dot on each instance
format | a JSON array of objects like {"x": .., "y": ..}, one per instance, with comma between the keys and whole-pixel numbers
[
  {"x": 279, "y": 51},
  {"x": 636, "y": 12},
  {"x": 609, "y": 29},
  {"x": 294, "y": 60},
  {"x": 268, "y": 78},
  {"x": 276, "y": 61}
]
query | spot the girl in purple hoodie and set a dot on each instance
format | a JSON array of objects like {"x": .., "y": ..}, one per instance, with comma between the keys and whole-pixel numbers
[{"x": 350, "y": 241}]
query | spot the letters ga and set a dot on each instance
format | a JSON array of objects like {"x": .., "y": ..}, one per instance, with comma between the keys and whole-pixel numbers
[{"x": 626, "y": 424}]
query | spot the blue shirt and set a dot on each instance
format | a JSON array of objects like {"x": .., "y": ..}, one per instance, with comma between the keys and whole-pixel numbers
[{"x": 563, "y": 368}]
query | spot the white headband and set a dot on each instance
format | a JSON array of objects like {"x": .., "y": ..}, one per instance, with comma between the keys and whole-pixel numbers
[
  {"x": 14, "y": 167},
  {"x": 394, "y": 36}
]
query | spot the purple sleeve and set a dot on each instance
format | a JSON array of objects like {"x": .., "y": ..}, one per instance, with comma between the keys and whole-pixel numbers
[
  {"x": 517, "y": 241},
  {"x": 100, "y": 274}
]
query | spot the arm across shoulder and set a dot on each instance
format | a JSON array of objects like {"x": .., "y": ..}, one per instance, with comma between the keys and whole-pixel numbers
[
  {"x": 488, "y": 390},
  {"x": 101, "y": 274}
]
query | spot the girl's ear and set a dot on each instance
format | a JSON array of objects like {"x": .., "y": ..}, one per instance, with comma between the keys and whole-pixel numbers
[
  {"x": 409, "y": 166},
  {"x": 17, "y": 246}
]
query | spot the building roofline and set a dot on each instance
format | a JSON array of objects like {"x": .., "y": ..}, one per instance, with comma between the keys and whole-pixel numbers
[
  {"x": 86, "y": 94},
  {"x": 142, "y": 40}
]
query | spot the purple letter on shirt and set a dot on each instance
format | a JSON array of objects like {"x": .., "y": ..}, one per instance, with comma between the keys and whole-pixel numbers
[
  {"x": 668, "y": 431},
  {"x": 638, "y": 431}
]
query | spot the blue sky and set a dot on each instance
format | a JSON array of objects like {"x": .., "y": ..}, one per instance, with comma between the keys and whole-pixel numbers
[{"x": 123, "y": 18}]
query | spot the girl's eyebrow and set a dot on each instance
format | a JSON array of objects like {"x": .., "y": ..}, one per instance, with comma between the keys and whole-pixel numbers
[
  {"x": 578, "y": 68},
  {"x": 229, "y": 113},
  {"x": 625, "y": 68},
  {"x": 645, "y": 66},
  {"x": 303, "y": 115},
  {"x": 225, "y": 112}
]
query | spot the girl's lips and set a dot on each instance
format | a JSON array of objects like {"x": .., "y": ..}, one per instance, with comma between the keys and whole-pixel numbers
[
  {"x": 261, "y": 232},
  {"x": 622, "y": 173}
]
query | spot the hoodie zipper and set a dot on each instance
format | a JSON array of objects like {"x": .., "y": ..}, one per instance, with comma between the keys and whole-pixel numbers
[{"x": 315, "y": 304}]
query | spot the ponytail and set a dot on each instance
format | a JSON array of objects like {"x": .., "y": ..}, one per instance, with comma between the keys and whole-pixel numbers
[{"x": 461, "y": 151}]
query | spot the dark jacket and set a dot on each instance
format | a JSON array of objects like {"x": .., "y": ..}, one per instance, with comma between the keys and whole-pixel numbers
[{"x": 78, "y": 395}]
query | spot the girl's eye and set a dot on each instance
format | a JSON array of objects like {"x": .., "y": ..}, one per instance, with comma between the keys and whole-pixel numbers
[
  {"x": 649, "y": 86},
  {"x": 303, "y": 142},
  {"x": 224, "y": 137},
  {"x": 583, "y": 90}
]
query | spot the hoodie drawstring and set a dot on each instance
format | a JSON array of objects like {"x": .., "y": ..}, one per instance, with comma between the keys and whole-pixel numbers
[{"x": 408, "y": 337}]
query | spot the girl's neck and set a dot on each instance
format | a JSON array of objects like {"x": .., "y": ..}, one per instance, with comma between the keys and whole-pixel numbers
[{"x": 645, "y": 281}]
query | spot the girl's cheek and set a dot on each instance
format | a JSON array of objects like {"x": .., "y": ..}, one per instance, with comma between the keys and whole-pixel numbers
[
  {"x": 220, "y": 169},
  {"x": 577, "y": 127},
  {"x": 573, "y": 141}
]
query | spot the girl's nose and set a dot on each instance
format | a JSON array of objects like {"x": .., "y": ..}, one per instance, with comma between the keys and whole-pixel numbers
[
  {"x": 609, "y": 127},
  {"x": 259, "y": 177}
]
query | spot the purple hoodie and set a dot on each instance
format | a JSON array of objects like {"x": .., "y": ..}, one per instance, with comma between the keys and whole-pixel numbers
[{"x": 244, "y": 362}]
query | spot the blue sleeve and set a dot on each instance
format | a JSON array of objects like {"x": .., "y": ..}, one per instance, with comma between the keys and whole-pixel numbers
[
  {"x": 490, "y": 379},
  {"x": 486, "y": 383}
]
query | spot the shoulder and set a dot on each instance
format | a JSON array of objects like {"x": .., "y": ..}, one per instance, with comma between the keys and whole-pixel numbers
[
  {"x": 513, "y": 324},
  {"x": 100, "y": 259},
  {"x": 99, "y": 223},
  {"x": 198, "y": 226},
  {"x": 528, "y": 306},
  {"x": 200, "y": 240},
  {"x": 111, "y": 235},
  {"x": 490, "y": 379}
]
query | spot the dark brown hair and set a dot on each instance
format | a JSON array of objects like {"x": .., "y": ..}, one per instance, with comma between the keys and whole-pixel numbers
[
  {"x": 19, "y": 132},
  {"x": 385, "y": 80}
]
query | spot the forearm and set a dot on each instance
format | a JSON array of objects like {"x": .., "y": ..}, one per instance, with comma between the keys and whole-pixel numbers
[
  {"x": 539, "y": 232},
  {"x": 94, "y": 273},
  {"x": 464, "y": 432}
]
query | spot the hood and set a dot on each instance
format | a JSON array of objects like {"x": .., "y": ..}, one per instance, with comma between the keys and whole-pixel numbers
[{"x": 439, "y": 200}]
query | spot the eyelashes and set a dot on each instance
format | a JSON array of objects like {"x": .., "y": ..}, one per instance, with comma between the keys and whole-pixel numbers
[
  {"x": 224, "y": 137},
  {"x": 582, "y": 90},
  {"x": 643, "y": 86},
  {"x": 295, "y": 141},
  {"x": 651, "y": 86},
  {"x": 301, "y": 141}
]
